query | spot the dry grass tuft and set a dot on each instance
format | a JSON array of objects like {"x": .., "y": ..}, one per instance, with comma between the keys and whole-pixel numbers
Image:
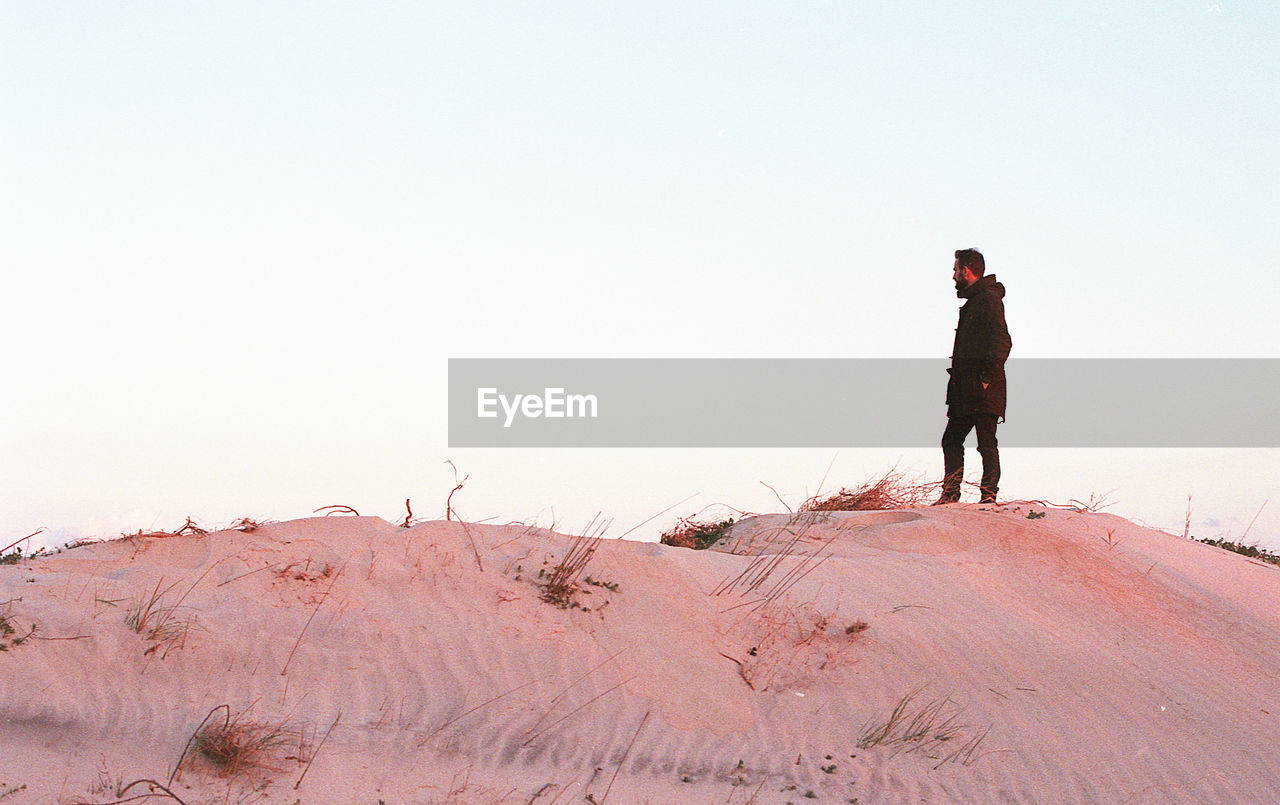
[
  {"x": 157, "y": 621},
  {"x": 236, "y": 744},
  {"x": 245, "y": 524},
  {"x": 696, "y": 534},
  {"x": 929, "y": 728},
  {"x": 892, "y": 491},
  {"x": 561, "y": 587}
]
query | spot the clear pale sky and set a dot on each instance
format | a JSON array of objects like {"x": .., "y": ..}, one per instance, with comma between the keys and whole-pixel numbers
[{"x": 241, "y": 240}]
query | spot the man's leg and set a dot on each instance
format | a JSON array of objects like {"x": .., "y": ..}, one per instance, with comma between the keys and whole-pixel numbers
[
  {"x": 989, "y": 449},
  {"x": 953, "y": 437}
]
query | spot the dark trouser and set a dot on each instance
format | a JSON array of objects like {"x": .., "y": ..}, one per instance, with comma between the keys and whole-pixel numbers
[{"x": 958, "y": 427}]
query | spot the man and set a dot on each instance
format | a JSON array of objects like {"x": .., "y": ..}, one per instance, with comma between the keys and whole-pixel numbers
[{"x": 976, "y": 390}]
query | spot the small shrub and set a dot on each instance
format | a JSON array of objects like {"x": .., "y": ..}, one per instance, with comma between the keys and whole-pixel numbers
[
  {"x": 698, "y": 535},
  {"x": 11, "y": 558}
]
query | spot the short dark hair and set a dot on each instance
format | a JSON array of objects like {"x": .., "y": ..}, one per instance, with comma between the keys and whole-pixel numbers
[{"x": 972, "y": 260}]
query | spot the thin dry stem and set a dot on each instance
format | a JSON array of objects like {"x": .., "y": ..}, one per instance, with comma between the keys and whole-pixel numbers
[
  {"x": 316, "y": 609},
  {"x": 448, "y": 503},
  {"x": 336, "y": 508}
]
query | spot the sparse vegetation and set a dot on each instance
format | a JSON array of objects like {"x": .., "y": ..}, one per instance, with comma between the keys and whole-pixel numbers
[
  {"x": 611, "y": 586},
  {"x": 9, "y": 637},
  {"x": 246, "y": 524},
  {"x": 305, "y": 573},
  {"x": 562, "y": 582},
  {"x": 695, "y": 534},
  {"x": 235, "y": 744},
  {"x": 762, "y": 567},
  {"x": 1034, "y": 515},
  {"x": 926, "y": 728},
  {"x": 158, "y": 622},
  {"x": 892, "y": 491},
  {"x": 7, "y": 558},
  {"x": 1251, "y": 551},
  {"x": 189, "y": 528}
]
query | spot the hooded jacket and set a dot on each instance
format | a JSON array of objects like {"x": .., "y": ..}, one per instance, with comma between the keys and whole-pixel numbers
[{"x": 981, "y": 347}]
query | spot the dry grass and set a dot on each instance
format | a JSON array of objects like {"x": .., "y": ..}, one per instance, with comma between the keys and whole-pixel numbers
[
  {"x": 457, "y": 485},
  {"x": 754, "y": 577},
  {"x": 336, "y": 508},
  {"x": 157, "y": 621},
  {"x": 9, "y": 636},
  {"x": 153, "y": 789},
  {"x": 788, "y": 644},
  {"x": 236, "y": 743},
  {"x": 696, "y": 534},
  {"x": 237, "y": 746},
  {"x": 892, "y": 491},
  {"x": 7, "y": 558},
  {"x": 928, "y": 728},
  {"x": 561, "y": 587},
  {"x": 189, "y": 528}
]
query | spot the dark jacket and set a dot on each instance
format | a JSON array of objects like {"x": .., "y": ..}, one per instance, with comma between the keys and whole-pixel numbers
[{"x": 982, "y": 345}]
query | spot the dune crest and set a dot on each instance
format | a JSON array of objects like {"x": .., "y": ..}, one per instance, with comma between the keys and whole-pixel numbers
[{"x": 1009, "y": 653}]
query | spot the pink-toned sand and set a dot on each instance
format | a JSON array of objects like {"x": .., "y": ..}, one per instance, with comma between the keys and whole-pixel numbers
[{"x": 1071, "y": 658}]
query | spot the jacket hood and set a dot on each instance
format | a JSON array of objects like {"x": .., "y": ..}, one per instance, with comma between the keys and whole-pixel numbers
[{"x": 985, "y": 284}]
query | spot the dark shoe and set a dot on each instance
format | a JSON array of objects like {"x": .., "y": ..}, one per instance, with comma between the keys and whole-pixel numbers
[
  {"x": 945, "y": 499},
  {"x": 988, "y": 499}
]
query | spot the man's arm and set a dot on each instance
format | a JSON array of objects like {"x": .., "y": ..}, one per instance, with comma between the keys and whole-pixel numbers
[{"x": 998, "y": 343}]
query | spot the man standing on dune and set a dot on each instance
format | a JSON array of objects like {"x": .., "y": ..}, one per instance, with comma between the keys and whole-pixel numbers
[{"x": 976, "y": 390}]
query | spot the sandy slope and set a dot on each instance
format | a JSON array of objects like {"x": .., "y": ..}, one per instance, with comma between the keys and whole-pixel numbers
[{"x": 1069, "y": 658}]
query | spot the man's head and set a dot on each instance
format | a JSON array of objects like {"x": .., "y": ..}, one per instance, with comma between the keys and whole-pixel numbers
[{"x": 969, "y": 268}]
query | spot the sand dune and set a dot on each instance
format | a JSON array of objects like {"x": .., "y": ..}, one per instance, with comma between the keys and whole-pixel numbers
[{"x": 1073, "y": 657}]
